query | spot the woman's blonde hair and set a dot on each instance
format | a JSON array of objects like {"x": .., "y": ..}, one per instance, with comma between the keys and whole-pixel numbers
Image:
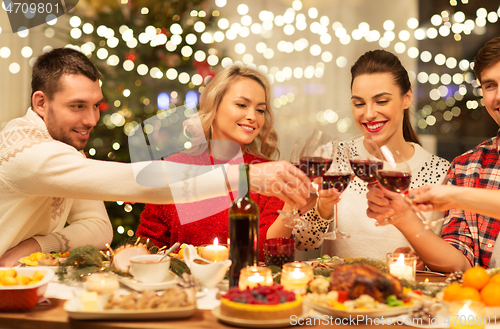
[{"x": 265, "y": 144}]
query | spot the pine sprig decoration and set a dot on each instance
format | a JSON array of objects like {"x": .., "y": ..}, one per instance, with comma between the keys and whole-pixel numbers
[
  {"x": 83, "y": 260},
  {"x": 455, "y": 277}
]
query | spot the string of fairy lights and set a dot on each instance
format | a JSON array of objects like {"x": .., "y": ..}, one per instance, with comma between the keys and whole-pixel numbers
[{"x": 294, "y": 19}]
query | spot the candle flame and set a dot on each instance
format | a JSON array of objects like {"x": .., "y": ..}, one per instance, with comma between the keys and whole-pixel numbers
[
  {"x": 465, "y": 311},
  {"x": 426, "y": 280},
  {"x": 216, "y": 241},
  {"x": 401, "y": 260}
]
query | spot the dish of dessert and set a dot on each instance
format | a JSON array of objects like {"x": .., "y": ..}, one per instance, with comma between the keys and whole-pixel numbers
[{"x": 272, "y": 305}]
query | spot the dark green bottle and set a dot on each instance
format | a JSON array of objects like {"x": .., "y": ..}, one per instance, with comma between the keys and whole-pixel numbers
[{"x": 243, "y": 229}]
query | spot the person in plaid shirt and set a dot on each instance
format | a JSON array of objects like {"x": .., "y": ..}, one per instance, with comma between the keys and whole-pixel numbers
[{"x": 467, "y": 238}]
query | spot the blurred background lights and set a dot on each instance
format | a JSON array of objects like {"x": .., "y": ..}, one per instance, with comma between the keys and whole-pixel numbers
[
  {"x": 75, "y": 21},
  {"x": 242, "y": 9},
  {"x": 198, "y": 27},
  {"x": 341, "y": 61},
  {"x": 163, "y": 101},
  {"x": 389, "y": 25},
  {"x": 412, "y": 23},
  {"x": 432, "y": 33},
  {"x": 4, "y": 52},
  {"x": 221, "y": 3},
  {"x": 191, "y": 99},
  {"x": 425, "y": 56},
  {"x": 312, "y": 12},
  {"x": 14, "y": 68},
  {"x": 26, "y": 52}
]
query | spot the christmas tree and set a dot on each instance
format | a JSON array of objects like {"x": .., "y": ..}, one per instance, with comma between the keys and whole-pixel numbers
[{"x": 154, "y": 56}]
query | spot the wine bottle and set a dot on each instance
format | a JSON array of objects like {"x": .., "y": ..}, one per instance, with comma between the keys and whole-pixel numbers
[{"x": 243, "y": 229}]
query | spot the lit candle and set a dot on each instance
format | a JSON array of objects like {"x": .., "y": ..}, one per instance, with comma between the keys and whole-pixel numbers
[
  {"x": 251, "y": 276},
  {"x": 467, "y": 315},
  {"x": 102, "y": 283},
  {"x": 295, "y": 276},
  {"x": 404, "y": 267},
  {"x": 215, "y": 252}
]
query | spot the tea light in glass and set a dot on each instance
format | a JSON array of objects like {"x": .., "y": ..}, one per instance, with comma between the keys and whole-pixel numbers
[
  {"x": 467, "y": 314},
  {"x": 295, "y": 276},
  {"x": 215, "y": 252},
  {"x": 251, "y": 276},
  {"x": 102, "y": 283},
  {"x": 402, "y": 266}
]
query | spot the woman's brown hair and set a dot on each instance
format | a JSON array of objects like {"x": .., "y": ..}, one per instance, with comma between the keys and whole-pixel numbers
[{"x": 381, "y": 61}]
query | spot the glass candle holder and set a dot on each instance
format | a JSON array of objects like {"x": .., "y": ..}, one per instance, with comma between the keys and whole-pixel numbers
[
  {"x": 279, "y": 251},
  {"x": 251, "y": 276},
  {"x": 402, "y": 266},
  {"x": 102, "y": 283},
  {"x": 295, "y": 276},
  {"x": 467, "y": 314},
  {"x": 215, "y": 252}
]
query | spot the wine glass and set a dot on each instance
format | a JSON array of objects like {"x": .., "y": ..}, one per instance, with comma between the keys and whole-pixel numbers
[
  {"x": 396, "y": 176},
  {"x": 292, "y": 218},
  {"x": 338, "y": 176},
  {"x": 365, "y": 165},
  {"x": 317, "y": 154}
]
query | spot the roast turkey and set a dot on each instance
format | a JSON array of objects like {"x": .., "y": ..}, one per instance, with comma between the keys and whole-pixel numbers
[{"x": 364, "y": 279}]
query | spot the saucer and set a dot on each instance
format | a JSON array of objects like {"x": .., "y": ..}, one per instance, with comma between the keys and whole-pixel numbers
[{"x": 140, "y": 286}]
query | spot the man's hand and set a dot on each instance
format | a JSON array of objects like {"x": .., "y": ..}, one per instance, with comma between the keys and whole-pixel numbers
[
  {"x": 434, "y": 197},
  {"x": 24, "y": 249},
  {"x": 408, "y": 250},
  {"x": 281, "y": 179}
]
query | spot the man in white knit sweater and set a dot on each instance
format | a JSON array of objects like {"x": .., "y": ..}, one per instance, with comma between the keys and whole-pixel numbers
[{"x": 46, "y": 182}]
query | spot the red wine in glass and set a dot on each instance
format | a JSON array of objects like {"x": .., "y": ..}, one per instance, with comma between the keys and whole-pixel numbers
[
  {"x": 340, "y": 181},
  {"x": 315, "y": 166},
  {"x": 395, "y": 181},
  {"x": 366, "y": 170}
]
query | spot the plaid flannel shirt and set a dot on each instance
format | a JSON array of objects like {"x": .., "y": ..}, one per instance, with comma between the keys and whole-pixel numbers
[{"x": 471, "y": 233}]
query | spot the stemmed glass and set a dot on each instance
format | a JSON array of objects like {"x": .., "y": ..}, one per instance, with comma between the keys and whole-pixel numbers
[
  {"x": 338, "y": 176},
  {"x": 292, "y": 218},
  {"x": 365, "y": 165},
  {"x": 396, "y": 176}
]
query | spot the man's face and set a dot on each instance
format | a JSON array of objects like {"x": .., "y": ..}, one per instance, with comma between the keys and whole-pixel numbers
[
  {"x": 490, "y": 84},
  {"x": 74, "y": 110}
]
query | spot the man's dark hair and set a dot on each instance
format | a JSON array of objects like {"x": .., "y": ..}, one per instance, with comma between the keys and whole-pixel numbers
[
  {"x": 50, "y": 66},
  {"x": 487, "y": 56}
]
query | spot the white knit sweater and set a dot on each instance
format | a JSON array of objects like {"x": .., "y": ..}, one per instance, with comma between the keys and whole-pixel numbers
[
  {"x": 368, "y": 240},
  {"x": 45, "y": 184}
]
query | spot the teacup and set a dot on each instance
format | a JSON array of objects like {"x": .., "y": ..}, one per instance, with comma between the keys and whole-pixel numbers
[{"x": 149, "y": 268}]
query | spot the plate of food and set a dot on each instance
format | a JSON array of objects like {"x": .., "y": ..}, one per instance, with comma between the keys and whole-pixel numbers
[
  {"x": 173, "y": 303},
  {"x": 51, "y": 260},
  {"x": 360, "y": 291}
]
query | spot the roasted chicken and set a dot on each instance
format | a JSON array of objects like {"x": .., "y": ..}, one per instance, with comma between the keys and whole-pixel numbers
[{"x": 364, "y": 279}]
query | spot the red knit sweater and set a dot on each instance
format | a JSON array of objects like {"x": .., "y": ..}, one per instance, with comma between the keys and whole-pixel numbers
[{"x": 161, "y": 223}]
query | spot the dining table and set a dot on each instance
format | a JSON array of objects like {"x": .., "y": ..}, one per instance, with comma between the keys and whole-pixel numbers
[{"x": 51, "y": 314}]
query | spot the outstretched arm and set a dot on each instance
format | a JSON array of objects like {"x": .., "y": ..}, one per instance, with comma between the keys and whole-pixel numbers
[
  {"x": 445, "y": 197},
  {"x": 435, "y": 252}
]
